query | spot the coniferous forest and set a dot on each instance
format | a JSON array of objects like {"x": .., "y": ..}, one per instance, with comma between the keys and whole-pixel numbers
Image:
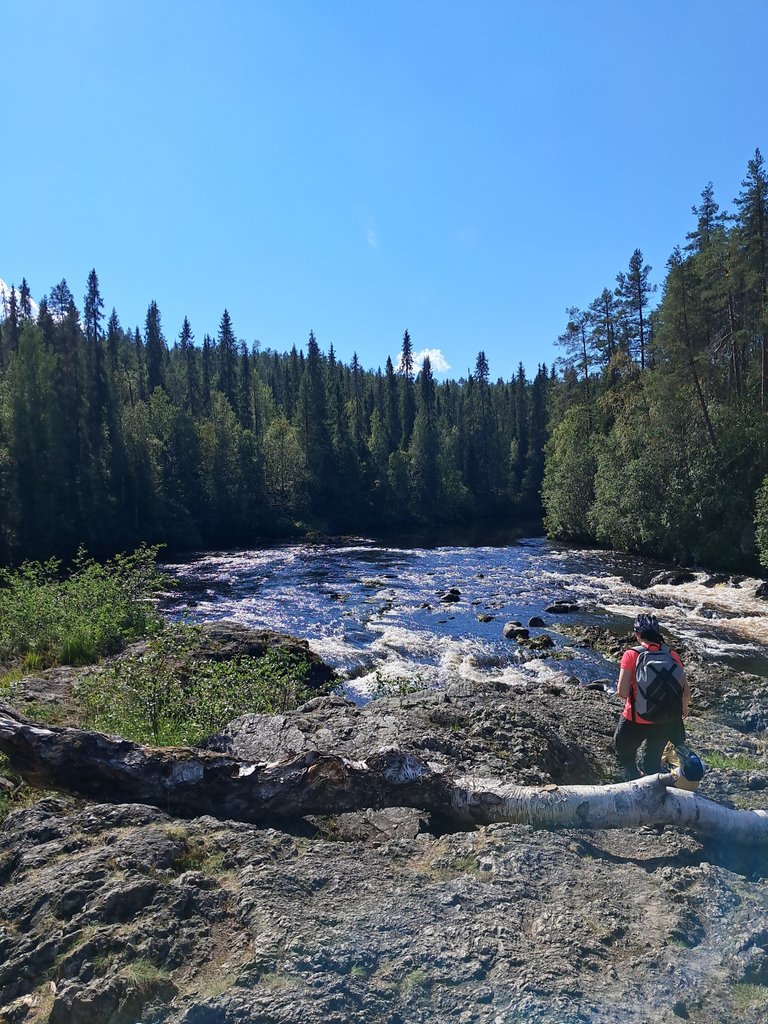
[{"x": 649, "y": 436}]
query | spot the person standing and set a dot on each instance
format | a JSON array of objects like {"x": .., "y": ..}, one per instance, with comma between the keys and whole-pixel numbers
[{"x": 653, "y": 685}]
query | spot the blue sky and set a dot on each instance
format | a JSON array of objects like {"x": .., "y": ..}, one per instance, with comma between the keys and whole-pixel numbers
[{"x": 359, "y": 167}]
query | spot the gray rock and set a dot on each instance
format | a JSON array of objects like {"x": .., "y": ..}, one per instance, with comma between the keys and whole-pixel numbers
[
  {"x": 536, "y": 622},
  {"x": 562, "y": 607},
  {"x": 382, "y": 915},
  {"x": 672, "y": 577}
]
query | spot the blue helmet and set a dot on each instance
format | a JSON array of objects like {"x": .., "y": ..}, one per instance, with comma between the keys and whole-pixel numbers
[{"x": 646, "y": 623}]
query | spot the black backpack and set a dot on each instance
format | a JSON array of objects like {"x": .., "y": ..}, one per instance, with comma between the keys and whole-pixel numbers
[{"x": 659, "y": 678}]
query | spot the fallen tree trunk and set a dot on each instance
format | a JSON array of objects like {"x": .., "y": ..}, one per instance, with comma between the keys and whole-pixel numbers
[{"x": 189, "y": 783}]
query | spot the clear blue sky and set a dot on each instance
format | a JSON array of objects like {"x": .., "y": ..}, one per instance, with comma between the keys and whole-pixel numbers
[{"x": 359, "y": 167}]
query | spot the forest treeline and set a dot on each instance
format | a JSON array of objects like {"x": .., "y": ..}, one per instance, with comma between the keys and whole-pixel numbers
[
  {"x": 658, "y": 444},
  {"x": 650, "y": 437},
  {"x": 109, "y": 436}
]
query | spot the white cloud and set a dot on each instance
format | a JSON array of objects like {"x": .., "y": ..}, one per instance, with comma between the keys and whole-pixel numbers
[
  {"x": 437, "y": 360},
  {"x": 372, "y": 238}
]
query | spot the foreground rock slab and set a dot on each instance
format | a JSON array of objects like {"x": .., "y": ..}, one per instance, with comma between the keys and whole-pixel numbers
[{"x": 115, "y": 914}]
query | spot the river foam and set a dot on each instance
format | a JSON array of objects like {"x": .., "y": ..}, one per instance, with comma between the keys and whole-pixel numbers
[{"x": 376, "y": 613}]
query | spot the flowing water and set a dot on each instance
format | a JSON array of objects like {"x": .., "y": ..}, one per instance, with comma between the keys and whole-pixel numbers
[{"x": 373, "y": 611}]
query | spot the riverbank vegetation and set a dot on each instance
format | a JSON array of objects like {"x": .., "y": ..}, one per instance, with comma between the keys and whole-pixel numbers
[
  {"x": 652, "y": 427},
  {"x": 659, "y": 436},
  {"x": 167, "y": 695},
  {"x": 50, "y": 619}
]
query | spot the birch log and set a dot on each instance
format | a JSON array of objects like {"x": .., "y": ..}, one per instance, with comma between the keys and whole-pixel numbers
[{"x": 189, "y": 782}]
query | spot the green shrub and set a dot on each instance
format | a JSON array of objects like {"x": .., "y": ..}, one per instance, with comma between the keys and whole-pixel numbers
[
  {"x": 46, "y": 619},
  {"x": 168, "y": 696}
]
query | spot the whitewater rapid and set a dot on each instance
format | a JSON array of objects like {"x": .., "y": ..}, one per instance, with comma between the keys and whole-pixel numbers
[{"x": 373, "y": 612}]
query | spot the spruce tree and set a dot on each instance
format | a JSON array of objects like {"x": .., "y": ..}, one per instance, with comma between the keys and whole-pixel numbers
[
  {"x": 25, "y": 300},
  {"x": 93, "y": 304},
  {"x": 155, "y": 349},
  {"x": 407, "y": 399}
]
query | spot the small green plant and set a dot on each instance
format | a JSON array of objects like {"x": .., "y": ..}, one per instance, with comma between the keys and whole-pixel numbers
[
  {"x": 395, "y": 686},
  {"x": 359, "y": 972},
  {"x": 276, "y": 981},
  {"x": 415, "y": 980},
  {"x": 195, "y": 856},
  {"x": 220, "y": 984}
]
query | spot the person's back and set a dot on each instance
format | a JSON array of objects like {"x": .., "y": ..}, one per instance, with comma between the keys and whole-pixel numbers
[{"x": 656, "y": 693}]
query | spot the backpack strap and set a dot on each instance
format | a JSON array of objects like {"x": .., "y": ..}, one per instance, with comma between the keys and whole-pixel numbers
[{"x": 639, "y": 650}]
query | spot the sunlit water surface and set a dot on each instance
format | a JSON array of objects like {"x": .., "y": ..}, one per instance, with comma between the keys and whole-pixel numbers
[{"x": 373, "y": 612}]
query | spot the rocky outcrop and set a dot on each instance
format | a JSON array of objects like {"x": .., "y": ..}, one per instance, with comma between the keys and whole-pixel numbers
[
  {"x": 116, "y": 914},
  {"x": 50, "y": 694}
]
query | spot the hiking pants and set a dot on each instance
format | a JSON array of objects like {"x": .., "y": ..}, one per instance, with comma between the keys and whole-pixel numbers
[{"x": 630, "y": 735}]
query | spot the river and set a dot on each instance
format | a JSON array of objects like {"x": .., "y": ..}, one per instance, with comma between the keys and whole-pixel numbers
[{"x": 373, "y": 610}]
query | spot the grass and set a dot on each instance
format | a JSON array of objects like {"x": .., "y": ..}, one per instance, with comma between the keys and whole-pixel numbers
[
  {"x": 738, "y": 762},
  {"x": 749, "y": 997},
  {"x": 415, "y": 980},
  {"x": 276, "y": 981},
  {"x": 144, "y": 975},
  {"x": 219, "y": 985}
]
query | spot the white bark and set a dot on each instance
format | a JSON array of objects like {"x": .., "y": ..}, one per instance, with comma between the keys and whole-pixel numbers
[
  {"x": 189, "y": 783},
  {"x": 652, "y": 800}
]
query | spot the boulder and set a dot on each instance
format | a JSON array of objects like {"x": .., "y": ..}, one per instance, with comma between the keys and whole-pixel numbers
[
  {"x": 536, "y": 622},
  {"x": 539, "y": 643},
  {"x": 672, "y": 577},
  {"x": 514, "y": 631},
  {"x": 562, "y": 607},
  {"x": 762, "y": 592},
  {"x": 483, "y": 617},
  {"x": 450, "y": 596}
]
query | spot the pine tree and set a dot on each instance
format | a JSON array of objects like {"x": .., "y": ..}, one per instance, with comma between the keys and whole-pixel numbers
[
  {"x": 577, "y": 349},
  {"x": 634, "y": 290},
  {"x": 311, "y": 424},
  {"x": 207, "y": 374},
  {"x": 191, "y": 371},
  {"x": 603, "y": 316},
  {"x": 12, "y": 322},
  {"x": 113, "y": 341},
  {"x": 424, "y": 450},
  {"x": 245, "y": 390},
  {"x": 752, "y": 226}
]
